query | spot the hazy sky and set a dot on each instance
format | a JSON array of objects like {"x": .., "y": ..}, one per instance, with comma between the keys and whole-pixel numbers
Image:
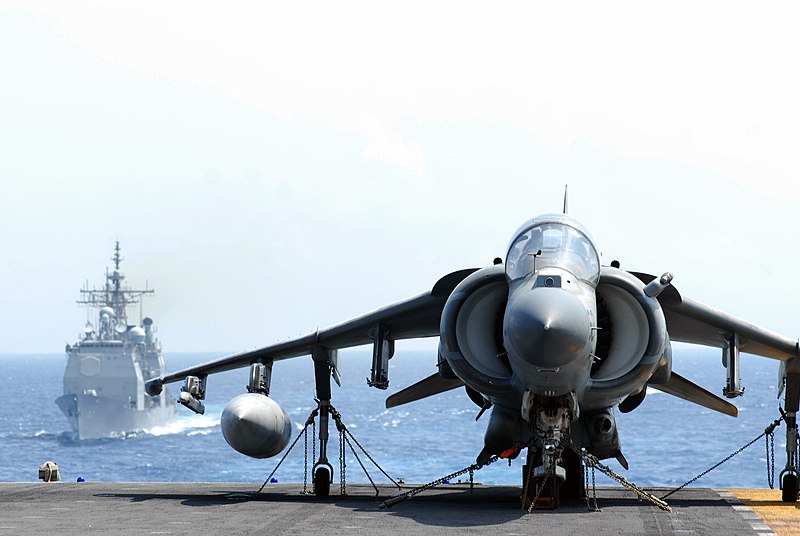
[{"x": 273, "y": 167}]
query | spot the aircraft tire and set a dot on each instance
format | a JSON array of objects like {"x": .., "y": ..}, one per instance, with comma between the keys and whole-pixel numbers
[
  {"x": 789, "y": 488},
  {"x": 322, "y": 482}
]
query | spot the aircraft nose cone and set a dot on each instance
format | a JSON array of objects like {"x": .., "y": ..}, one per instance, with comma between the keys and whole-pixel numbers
[{"x": 546, "y": 327}]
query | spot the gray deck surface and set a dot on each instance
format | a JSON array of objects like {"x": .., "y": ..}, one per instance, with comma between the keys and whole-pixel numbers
[{"x": 234, "y": 508}]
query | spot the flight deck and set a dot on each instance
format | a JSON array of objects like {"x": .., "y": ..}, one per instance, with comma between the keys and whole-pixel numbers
[{"x": 236, "y": 508}]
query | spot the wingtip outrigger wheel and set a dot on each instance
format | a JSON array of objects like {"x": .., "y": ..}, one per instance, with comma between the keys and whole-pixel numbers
[
  {"x": 323, "y": 474},
  {"x": 323, "y": 471},
  {"x": 789, "y": 488},
  {"x": 789, "y": 475}
]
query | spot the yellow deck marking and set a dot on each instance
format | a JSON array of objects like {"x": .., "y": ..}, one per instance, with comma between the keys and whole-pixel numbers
[{"x": 783, "y": 518}]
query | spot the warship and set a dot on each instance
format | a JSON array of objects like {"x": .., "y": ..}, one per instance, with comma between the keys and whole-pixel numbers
[{"x": 104, "y": 393}]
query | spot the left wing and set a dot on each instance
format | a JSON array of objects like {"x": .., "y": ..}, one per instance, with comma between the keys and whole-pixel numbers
[
  {"x": 413, "y": 318},
  {"x": 694, "y": 322}
]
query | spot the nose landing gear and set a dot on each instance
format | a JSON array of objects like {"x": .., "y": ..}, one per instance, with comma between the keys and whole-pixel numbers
[{"x": 545, "y": 473}]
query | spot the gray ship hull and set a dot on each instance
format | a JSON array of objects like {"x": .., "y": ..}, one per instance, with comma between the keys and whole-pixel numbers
[
  {"x": 95, "y": 417},
  {"x": 104, "y": 394}
]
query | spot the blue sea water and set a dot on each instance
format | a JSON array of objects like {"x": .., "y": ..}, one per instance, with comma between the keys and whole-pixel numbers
[{"x": 666, "y": 440}]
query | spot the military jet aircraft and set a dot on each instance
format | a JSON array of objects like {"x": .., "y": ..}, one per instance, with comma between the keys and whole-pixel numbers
[{"x": 550, "y": 340}]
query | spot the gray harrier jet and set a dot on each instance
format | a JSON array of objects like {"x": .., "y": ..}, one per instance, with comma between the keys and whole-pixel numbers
[{"x": 550, "y": 340}]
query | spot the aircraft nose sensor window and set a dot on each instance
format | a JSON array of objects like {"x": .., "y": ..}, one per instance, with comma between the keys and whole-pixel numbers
[{"x": 556, "y": 245}]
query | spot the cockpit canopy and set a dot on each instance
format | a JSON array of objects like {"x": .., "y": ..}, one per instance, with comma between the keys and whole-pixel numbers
[{"x": 553, "y": 241}]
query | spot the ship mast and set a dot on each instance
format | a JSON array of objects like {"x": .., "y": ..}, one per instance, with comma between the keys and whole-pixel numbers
[{"x": 114, "y": 294}]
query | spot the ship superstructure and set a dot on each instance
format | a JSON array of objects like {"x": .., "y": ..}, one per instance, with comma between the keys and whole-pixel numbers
[{"x": 106, "y": 369}]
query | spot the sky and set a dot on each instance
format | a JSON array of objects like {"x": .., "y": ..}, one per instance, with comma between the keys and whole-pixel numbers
[{"x": 274, "y": 167}]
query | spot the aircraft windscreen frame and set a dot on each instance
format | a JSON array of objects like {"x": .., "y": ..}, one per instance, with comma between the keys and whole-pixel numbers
[{"x": 553, "y": 244}]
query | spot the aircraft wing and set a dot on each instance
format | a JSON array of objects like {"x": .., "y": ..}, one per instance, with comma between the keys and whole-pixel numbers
[
  {"x": 694, "y": 322},
  {"x": 412, "y": 318}
]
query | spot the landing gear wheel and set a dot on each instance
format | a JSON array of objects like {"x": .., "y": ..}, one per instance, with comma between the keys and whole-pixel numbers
[
  {"x": 789, "y": 488},
  {"x": 322, "y": 482},
  {"x": 572, "y": 489}
]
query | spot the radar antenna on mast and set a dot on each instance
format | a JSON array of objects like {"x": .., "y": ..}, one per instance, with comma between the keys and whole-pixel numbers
[
  {"x": 116, "y": 258},
  {"x": 114, "y": 294}
]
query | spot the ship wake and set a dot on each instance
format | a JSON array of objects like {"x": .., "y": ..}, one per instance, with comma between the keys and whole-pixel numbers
[{"x": 190, "y": 425}]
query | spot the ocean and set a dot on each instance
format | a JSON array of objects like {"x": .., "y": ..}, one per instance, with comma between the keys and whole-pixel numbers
[{"x": 666, "y": 440}]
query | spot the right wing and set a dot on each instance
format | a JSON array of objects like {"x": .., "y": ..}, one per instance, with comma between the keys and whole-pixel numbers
[{"x": 412, "y": 318}]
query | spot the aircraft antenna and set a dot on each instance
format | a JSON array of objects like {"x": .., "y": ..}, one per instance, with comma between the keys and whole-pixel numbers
[{"x": 565, "y": 198}]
